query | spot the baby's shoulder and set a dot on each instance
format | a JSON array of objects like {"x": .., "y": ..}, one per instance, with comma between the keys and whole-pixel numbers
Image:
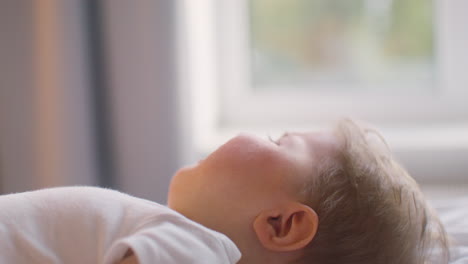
[{"x": 79, "y": 199}]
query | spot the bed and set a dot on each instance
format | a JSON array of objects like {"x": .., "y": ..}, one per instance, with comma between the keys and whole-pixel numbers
[{"x": 452, "y": 206}]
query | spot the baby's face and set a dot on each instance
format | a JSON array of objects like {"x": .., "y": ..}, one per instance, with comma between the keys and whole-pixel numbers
[{"x": 246, "y": 175}]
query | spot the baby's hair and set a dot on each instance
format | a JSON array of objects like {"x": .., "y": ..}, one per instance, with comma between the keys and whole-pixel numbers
[{"x": 370, "y": 210}]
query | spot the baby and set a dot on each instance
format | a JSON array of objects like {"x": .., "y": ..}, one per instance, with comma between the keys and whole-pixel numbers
[{"x": 322, "y": 197}]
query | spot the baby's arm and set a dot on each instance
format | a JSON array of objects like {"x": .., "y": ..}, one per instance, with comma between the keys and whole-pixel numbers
[
  {"x": 173, "y": 239},
  {"x": 129, "y": 258}
]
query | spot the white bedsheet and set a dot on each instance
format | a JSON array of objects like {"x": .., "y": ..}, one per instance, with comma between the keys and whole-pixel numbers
[{"x": 454, "y": 215}]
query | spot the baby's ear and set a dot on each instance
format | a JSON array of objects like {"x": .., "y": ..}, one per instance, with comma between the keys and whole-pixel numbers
[{"x": 287, "y": 228}]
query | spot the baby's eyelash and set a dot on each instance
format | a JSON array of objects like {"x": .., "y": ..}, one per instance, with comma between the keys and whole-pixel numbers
[{"x": 272, "y": 140}]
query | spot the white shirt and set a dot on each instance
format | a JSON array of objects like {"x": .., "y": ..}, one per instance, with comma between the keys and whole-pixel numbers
[{"x": 94, "y": 225}]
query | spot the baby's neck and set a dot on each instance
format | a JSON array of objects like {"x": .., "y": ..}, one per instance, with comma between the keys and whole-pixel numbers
[
  {"x": 254, "y": 253},
  {"x": 259, "y": 257}
]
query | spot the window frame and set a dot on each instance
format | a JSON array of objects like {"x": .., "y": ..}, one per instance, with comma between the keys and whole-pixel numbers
[{"x": 319, "y": 105}]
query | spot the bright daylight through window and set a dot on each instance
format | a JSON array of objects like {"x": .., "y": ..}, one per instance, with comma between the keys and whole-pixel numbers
[{"x": 376, "y": 45}]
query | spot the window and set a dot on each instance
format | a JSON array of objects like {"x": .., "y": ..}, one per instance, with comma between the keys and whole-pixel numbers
[
  {"x": 271, "y": 65},
  {"x": 384, "y": 46}
]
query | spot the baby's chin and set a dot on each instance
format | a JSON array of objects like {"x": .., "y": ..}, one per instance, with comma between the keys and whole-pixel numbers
[
  {"x": 186, "y": 168},
  {"x": 190, "y": 166}
]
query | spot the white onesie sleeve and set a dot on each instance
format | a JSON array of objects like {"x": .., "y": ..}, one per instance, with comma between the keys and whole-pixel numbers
[
  {"x": 174, "y": 239},
  {"x": 94, "y": 225}
]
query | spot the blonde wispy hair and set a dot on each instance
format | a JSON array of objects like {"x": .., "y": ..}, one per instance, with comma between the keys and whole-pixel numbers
[{"x": 370, "y": 209}]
